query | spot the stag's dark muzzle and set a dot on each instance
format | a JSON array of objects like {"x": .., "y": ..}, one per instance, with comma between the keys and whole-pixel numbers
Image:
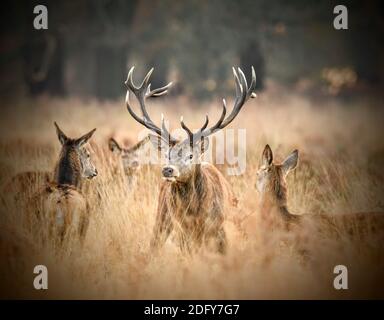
[
  {"x": 168, "y": 172},
  {"x": 93, "y": 174}
]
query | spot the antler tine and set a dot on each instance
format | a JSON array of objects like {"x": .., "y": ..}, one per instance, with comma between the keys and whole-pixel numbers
[
  {"x": 243, "y": 80},
  {"x": 129, "y": 82},
  {"x": 205, "y": 123},
  {"x": 249, "y": 90},
  {"x": 239, "y": 87},
  {"x": 243, "y": 93},
  {"x": 217, "y": 125},
  {"x": 141, "y": 93},
  {"x": 157, "y": 92},
  {"x": 165, "y": 133},
  {"x": 194, "y": 136},
  {"x": 144, "y": 122},
  {"x": 189, "y": 132},
  {"x": 240, "y": 98},
  {"x": 252, "y": 86},
  {"x": 145, "y": 83}
]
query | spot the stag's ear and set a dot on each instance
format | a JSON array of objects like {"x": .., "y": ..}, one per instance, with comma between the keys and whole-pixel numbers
[
  {"x": 290, "y": 162},
  {"x": 84, "y": 139},
  {"x": 60, "y": 134},
  {"x": 203, "y": 145},
  {"x": 158, "y": 142},
  {"x": 267, "y": 156},
  {"x": 114, "y": 146}
]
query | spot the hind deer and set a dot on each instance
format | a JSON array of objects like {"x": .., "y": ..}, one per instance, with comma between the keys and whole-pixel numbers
[
  {"x": 64, "y": 205},
  {"x": 272, "y": 186},
  {"x": 193, "y": 194},
  {"x": 130, "y": 157}
]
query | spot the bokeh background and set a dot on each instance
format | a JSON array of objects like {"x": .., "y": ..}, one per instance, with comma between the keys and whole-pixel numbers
[{"x": 89, "y": 46}]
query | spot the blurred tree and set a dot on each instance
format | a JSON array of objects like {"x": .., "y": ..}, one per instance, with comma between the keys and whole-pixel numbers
[{"x": 89, "y": 44}]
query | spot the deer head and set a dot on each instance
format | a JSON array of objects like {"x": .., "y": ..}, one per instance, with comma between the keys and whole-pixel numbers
[
  {"x": 74, "y": 158},
  {"x": 130, "y": 157},
  {"x": 181, "y": 157},
  {"x": 270, "y": 177}
]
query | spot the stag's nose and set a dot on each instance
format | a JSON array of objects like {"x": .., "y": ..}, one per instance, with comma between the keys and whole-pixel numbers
[
  {"x": 167, "y": 172},
  {"x": 135, "y": 164},
  {"x": 95, "y": 173}
]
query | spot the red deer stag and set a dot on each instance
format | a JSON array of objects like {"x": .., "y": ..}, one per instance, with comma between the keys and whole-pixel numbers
[{"x": 194, "y": 194}]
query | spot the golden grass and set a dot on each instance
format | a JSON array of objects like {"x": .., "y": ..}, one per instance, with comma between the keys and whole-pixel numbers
[{"x": 340, "y": 170}]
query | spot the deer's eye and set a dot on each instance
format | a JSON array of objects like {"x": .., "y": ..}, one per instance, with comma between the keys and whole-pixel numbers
[{"x": 190, "y": 156}]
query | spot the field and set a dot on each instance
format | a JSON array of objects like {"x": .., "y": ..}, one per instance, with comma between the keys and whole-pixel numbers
[{"x": 340, "y": 170}]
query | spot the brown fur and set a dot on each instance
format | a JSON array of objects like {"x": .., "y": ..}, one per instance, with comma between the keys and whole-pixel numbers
[
  {"x": 194, "y": 209},
  {"x": 274, "y": 200},
  {"x": 64, "y": 203},
  {"x": 67, "y": 209},
  {"x": 274, "y": 211},
  {"x": 129, "y": 157},
  {"x": 67, "y": 169},
  {"x": 62, "y": 206}
]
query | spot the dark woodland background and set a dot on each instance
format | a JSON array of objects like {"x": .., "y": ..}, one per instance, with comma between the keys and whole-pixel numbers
[{"x": 90, "y": 45}]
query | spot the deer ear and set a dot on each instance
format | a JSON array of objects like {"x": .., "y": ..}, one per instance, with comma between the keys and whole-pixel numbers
[
  {"x": 139, "y": 144},
  {"x": 84, "y": 139},
  {"x": 159, "y": 143},
  {"x": 290, "y": 162},
  {"x": 60, "y": 134},
  {"x": 203, "y": 144},
  {"x": 267, "y": 156},
  {"x": 114, "y": 146}
]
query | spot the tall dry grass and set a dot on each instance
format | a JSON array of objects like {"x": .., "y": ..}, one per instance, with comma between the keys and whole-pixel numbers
[{"x": 340, "y": 170}]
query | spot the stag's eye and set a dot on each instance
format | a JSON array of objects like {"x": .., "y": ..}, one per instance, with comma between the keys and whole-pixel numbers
[{"x": 190, "y": 156}]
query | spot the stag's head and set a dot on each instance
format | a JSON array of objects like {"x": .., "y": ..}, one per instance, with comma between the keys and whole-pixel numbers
[
  {"x": 130, "y": 157},
  {"x": 75, "y": 153},
  {"x": 181, "y": 156},
  {"x": 270, "y": 177}
]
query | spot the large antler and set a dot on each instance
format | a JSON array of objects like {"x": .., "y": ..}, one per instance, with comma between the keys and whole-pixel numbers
[
  {"x": 142, "y": 93},
  {"x": 243, "y": 93}
]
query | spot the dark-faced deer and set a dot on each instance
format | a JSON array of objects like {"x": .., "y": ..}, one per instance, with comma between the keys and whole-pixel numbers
[
  {"x": 64, "y": 206},
  {"x": 272, "y": 186},
  {"x": 193, "y": 194}
]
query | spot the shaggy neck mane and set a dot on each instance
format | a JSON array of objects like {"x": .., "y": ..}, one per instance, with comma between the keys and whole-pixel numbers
[
  {"x": 192, "y": 191},
  {"x": 201, "y": 192},
  {"x": 67, "y": 170}
]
